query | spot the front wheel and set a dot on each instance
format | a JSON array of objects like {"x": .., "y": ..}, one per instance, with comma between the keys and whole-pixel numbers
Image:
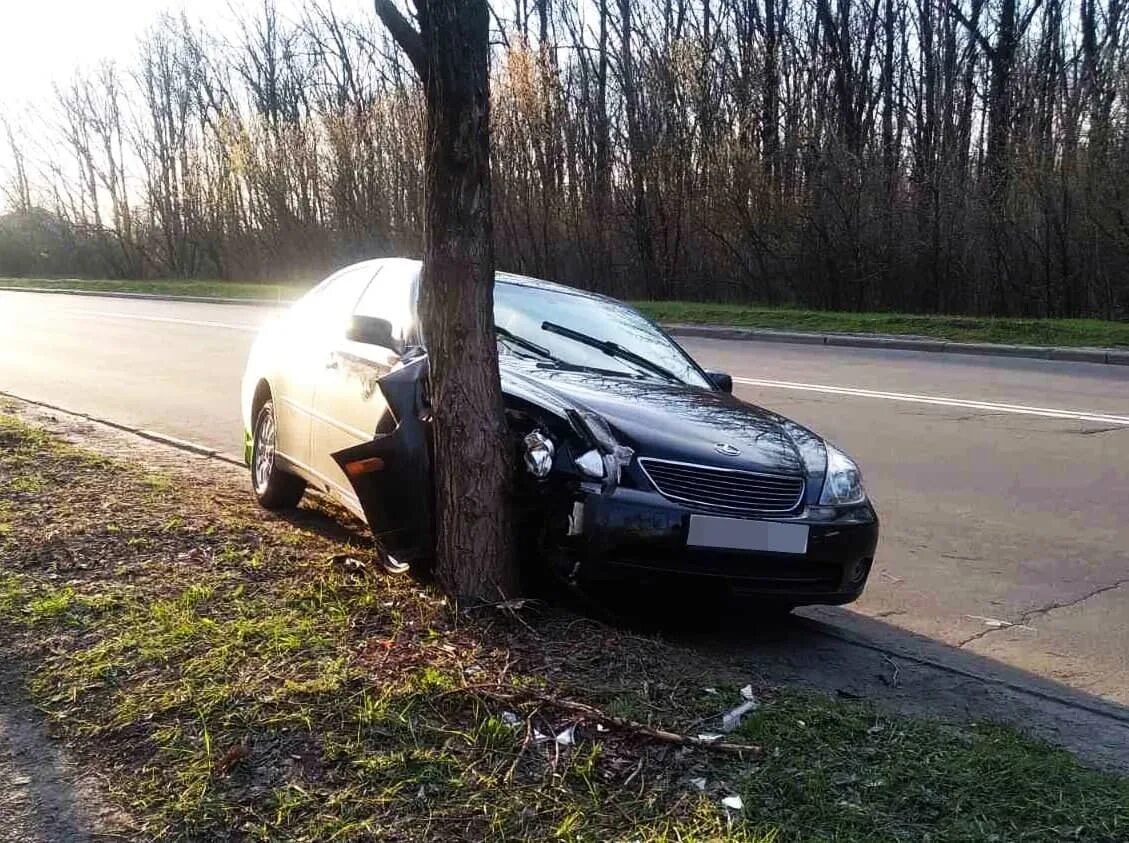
[{"x": 274, "y": 488}]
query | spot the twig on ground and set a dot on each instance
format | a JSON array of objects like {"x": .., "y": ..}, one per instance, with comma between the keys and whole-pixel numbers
[
  {"x": 593, "y": 713},
  {"x": 893, "y": 679},
  {"x": 526, "y": 741}
]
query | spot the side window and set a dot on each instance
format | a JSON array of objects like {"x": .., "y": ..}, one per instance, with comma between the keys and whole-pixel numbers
[
  {"x": 330, "y": 304},
  {"x": 391, "y": 296}
]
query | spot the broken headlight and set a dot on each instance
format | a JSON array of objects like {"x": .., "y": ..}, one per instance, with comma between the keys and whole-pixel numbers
[
  {"x": 539, "y": 452},
  {"x": 591, "y": 463},
  {"x": 598, "y": 430},
  {"x": 843, "y": 484},
  {"x": 608, "y": 451}
]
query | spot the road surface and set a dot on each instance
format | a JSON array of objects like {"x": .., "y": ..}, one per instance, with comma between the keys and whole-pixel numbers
[{"x": 1003, "y": 484}]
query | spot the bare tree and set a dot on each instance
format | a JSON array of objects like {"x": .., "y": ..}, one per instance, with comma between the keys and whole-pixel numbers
[
  {"x": 20, "y": 192},
  {"x": 927, "y": 155}
]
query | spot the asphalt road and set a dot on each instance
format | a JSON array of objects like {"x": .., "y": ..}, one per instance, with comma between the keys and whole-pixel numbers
[{"x": 1003, "y": 484}]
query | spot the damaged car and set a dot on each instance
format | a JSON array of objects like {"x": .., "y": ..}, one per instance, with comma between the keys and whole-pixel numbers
[{"x": 632, "y": 461}]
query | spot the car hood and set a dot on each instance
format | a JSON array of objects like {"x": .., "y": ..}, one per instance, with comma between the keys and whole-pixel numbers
[{"x": 672, "y": 421}]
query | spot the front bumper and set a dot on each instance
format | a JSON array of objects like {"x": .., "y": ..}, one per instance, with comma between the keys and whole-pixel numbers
[{"x": 641, "y": 535}]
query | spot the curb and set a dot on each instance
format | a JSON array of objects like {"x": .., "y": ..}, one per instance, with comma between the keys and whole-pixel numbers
[
  {"x": 172, "y": 441},
  {"x": 1108, "y": 356},
  {"x": 822, "y": 626}
]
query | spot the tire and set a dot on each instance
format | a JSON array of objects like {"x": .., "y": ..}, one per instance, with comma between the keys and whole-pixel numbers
[{"x": 274, "y": 488}]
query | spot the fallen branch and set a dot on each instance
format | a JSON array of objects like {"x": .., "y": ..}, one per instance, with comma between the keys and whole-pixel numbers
[{"x": 622, "y": 723}]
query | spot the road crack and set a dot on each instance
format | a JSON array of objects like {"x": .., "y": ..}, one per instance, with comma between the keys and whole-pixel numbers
[{"x": 1026, "y": 617}]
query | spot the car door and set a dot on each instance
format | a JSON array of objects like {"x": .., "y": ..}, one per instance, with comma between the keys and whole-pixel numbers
[
  {"x": 391, "y": 473},
  {"x": 307, "y": 335},
  {"x": 350, "y": 406}
]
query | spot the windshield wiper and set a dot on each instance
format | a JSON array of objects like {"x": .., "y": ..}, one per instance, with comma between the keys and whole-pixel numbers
[
  {"x": 611, "y": 349},
  {"x": 522, "y": 342}
]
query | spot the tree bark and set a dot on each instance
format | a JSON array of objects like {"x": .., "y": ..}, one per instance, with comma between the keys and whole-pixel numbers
[
  {"x": 770, "y": 101},
  {"x": 641, "y": 215},
  {"x": 474, "y": 536}
]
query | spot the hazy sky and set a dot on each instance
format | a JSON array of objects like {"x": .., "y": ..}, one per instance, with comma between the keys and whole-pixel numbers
[{"x": 45, "y": 41}]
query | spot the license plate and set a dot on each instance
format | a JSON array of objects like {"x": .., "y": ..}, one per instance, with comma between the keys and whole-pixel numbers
[{"x": 743, "y": 534}]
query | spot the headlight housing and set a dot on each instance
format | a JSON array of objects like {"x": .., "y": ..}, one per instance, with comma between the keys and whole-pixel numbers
[
  {"x": 614, "y": 457},
  {"x": 598, "y": 430},
  {"x": 842, "y": 485}
]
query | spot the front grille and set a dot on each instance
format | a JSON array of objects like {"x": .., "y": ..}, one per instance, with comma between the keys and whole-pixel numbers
[{"x": 726, "y": 489}]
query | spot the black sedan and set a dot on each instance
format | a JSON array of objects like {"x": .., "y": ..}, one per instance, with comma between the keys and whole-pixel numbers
[{"x": 634, "y": 462}]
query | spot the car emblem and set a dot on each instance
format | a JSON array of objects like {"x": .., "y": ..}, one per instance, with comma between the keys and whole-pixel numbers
[{"x": 727, "y": 450}]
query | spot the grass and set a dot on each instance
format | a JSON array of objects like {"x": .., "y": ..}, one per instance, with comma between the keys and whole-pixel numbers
[
  {"x": 232, "y": 679},
  {"x": 209, "y": 289},
  {"x": 1039, "y": 332}
]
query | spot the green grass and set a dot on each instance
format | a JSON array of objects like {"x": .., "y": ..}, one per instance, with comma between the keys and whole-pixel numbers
[
  {"x": 210, "y": 289},
  {"x": 231, "y": 682},
  {"x": 1041, "y": 332}
]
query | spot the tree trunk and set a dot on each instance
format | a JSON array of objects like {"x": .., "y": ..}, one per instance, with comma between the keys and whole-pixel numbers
[
  {"x": 770, "y": 101},
  {"x": 641, "y": 215},
  {"x": 999, "y": 104},
  {"x": 474, "y": 536}
]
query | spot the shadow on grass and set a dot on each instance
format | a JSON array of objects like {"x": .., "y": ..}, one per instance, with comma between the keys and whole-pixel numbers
[
  {"x": 830, "y": 649},
  {"x": 845, "y": 653}
]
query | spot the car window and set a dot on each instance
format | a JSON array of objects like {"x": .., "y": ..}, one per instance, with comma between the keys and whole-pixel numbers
[
  {"x": 391, "y": 296},
  {"x": 330, "y": 304},
  {"x": 523, "y": 310}
]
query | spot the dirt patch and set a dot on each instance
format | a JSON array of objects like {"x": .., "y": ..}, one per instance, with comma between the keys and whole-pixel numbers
[{"x": 46, "y": 798}]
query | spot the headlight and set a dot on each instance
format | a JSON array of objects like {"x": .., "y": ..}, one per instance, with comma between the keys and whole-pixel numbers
[
  {"x": 843, "y": 484},
  {"x": 591, "y": 463},
  {"x": 615, "y": 457},
  {"x": 538, "y": 454}
]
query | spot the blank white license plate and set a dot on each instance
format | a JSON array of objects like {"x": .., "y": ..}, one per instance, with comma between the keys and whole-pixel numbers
[{"x": 742, "y": 534}]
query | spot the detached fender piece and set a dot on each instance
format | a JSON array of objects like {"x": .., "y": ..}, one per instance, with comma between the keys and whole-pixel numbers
[{"x": 391, "y": 475}]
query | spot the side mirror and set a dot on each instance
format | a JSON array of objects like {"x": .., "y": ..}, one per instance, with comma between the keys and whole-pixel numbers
[
  {"x": 372, "y": 330},
  {"x": 722, "y": 381}
]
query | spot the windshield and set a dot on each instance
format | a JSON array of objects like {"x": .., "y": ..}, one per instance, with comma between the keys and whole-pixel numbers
[{"x": 632, "y": 345}]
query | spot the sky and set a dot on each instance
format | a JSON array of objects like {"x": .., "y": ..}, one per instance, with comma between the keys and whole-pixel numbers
[{"x": 44, "y": 43}]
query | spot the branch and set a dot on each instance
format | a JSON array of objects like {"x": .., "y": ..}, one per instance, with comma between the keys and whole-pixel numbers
[
  {"x": 622, "y": 723},
  {"x": 403, "y": 33},
  {"x": 1027, "y": 20},
  {"x": 972, "y": 28}
]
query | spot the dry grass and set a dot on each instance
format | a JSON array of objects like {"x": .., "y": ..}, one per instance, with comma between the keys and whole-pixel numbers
[{"x": 237, "y": 679}]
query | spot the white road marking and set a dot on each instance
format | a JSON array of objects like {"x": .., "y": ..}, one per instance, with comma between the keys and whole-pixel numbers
[
  {"x": 987, "y": 406},
  {"x": 100, "y": 314},
  {"x": 909, "y": 398}
]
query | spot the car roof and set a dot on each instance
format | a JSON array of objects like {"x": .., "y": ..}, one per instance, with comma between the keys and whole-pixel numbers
[
  {"x": 542, "y": 284},
  {"x": 499, "y": 278}
]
